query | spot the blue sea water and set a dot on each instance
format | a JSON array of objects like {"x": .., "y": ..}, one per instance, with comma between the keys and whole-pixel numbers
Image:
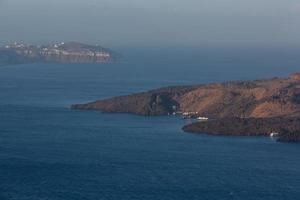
[{"x": 49, "y": 152}]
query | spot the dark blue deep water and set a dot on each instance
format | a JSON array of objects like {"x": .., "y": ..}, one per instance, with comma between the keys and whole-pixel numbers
[{"x": 49, "y": 152}]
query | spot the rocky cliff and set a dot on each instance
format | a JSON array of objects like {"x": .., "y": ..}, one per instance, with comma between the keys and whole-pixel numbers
[
  {"x": 277, "y": 97},
  {"x": 155, "y": 102},
  {"x": 235, "y": 108},
  {"x": 71, "y": 52}
]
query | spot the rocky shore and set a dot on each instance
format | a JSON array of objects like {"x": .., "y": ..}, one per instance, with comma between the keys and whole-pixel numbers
[
  {"x": 71, "y": 52},
  {"x": 234, "y": 108},
  {"x": 284, "y": 129}
]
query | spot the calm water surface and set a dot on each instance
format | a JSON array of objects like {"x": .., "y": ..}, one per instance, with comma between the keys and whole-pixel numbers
[{"x": 49, "y": 152}]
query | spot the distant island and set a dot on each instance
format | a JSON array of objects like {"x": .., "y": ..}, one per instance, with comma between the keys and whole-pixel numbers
[
  {"x": 251, "y": 108},
  {"x": 70, "y": 52}
]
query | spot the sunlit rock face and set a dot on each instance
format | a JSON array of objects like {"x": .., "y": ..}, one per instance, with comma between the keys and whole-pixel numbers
[
  {"x": 261, "y": 107},
  {"x": 277, "y": 97}
]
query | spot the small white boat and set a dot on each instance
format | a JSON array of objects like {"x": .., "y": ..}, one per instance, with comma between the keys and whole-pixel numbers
[{"x": 274, "y": 134}]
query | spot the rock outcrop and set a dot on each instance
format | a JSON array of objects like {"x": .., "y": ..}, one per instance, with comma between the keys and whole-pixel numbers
[
  {"x": 71, "y": 52},
  {"x": 245, "y": 126},
  {"x": 155, "y": 102},
  {"x": 277, "y": 97},
  {"x": 234, "y": 108}
]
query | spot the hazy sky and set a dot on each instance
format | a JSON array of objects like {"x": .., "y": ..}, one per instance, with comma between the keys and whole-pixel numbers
[{"x": 153, "y": 22}]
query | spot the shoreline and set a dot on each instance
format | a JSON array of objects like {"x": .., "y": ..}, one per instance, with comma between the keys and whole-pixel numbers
[
  {"x": 251, "y": 108},
  {"x": 284, "y": 129}
]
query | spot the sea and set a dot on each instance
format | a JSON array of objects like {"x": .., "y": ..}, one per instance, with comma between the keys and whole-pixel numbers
[{"x": 50, "y": 152}]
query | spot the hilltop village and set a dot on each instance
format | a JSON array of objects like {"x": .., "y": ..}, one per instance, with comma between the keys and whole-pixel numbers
[{"x": 71, "y": 52}]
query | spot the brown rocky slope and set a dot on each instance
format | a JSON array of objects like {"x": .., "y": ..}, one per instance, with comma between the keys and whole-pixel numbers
[{"x": 259, "y": 99}]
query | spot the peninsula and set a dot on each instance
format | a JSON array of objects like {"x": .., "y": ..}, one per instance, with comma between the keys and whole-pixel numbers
[
  {"x": 259, "y": 107},
  {"x": 70, "y": 52}
]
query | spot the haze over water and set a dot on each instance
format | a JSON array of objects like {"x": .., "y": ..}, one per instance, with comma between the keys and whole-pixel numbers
[{"x": 204, "y": 23}]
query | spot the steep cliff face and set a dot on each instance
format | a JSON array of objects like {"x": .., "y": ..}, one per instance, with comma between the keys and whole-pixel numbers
[
  {"x": 76, "y": 53},
  {"x": 278, "y": 97},
  {"x": 71, "y": 52}
]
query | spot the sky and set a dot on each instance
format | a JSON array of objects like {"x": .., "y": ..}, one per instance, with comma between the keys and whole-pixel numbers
[{"x": 217, "y": 23}]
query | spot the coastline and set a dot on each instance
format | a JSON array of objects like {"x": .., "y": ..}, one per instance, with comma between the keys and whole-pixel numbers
[
  {"x": 283, "y": 129},
  {"x": 250, "y": 108}
]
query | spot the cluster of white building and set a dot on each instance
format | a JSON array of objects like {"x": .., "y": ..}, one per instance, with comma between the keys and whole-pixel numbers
[
  {"x": 193, "y": 115},
  {"x": 75, "y": 53},
  {"x": 16, "y": 45}
]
